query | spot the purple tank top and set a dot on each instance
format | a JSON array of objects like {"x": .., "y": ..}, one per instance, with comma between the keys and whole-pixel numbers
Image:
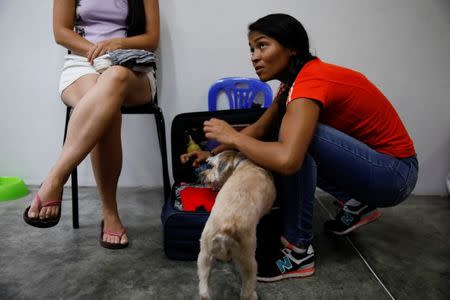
[{"x": 99, "y": 20}]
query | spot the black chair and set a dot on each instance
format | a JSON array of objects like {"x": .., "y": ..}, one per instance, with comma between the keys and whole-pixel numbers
[{"x": 149, "y": 108}]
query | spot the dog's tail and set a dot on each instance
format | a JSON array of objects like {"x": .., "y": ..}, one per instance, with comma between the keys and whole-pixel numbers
[{"x": 221, "y": 246}]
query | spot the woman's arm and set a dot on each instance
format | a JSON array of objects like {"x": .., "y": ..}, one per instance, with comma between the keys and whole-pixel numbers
[
  {"x": 285, "y": 156},
  {"x": 258, "y": 130},
  {"x": 148, "y": 40},
  {"x": 264, "y": 125},
  {"x": 63, "y": 18}
]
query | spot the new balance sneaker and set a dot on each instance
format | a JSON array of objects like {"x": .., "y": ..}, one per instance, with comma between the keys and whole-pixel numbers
[
  {"x": 287, "y": 263},
  {"x": 351, "y": 217}
]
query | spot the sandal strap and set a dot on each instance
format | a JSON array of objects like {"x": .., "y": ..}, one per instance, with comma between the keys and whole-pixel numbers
[
  {"x": 47, "y": 203},
  {"x": 52, "y": 203},
  {"x": 118, "y": 234}
]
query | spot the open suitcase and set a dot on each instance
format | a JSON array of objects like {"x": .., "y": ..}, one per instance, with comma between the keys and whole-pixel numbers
[{"x": 182, "y": 229}]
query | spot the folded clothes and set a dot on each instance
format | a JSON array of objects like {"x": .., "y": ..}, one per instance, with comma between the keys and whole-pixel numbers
[
  {"x": 102, "y": 63},
  {"x": 135, "y": 59}
]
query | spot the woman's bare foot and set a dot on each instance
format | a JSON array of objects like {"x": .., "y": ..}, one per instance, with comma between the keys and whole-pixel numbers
[
  {"x": 48, "y": 192},
  {"x": 112, "y": 223}
]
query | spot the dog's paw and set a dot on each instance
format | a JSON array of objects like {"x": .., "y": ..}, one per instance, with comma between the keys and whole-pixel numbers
[
  {"x": 204, "y": 296},
  {"x": 251, "y": 296}
]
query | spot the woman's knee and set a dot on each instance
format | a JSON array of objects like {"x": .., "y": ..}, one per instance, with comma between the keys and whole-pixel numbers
[{"x": 118, "y": 75}]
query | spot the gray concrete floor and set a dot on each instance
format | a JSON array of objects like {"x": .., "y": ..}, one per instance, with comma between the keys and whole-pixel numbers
[{"x": 403, "y": 255}]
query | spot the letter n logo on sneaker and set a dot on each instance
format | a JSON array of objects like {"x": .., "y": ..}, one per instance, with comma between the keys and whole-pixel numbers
[
  {"x": 284, "y": 265},
  {"x": 347, "y": 219}
]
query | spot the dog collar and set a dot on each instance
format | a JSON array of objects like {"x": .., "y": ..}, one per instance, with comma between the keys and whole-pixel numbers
[{"x": 237, "y": 164}]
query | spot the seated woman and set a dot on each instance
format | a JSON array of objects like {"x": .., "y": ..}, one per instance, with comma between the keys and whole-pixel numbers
[
  {"x": 336, "y": 130},
  {"x": 89, "y": 29}
]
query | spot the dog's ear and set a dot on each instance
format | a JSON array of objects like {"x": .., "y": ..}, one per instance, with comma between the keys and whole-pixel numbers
[
  {"x": 225, "y": 162},
  {"x": 238, "y": 157},
  {"x": 210, "y": 160},
  {"x": 223, "y": 166}
]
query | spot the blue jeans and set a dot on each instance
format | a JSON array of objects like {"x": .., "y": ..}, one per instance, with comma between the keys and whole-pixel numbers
[{"x": 346, "y": 168}]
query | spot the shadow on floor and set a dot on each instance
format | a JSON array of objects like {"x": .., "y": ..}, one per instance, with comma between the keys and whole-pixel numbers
[{"x": 404, "y": 255}]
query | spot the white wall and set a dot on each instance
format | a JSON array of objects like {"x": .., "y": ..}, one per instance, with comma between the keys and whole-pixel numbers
[{"x": 403, "y": 46}]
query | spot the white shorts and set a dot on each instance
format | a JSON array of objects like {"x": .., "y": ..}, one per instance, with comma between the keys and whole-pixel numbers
[{"x": 76, "y": 66}]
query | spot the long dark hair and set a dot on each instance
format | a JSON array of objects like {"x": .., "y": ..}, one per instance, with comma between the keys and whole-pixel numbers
[
  {"x": 136, "y": 18},
  {"x": 291, "y": 34}
]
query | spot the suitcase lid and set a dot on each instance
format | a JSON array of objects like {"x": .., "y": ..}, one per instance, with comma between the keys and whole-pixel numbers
[{"x": 192, "y": 124}]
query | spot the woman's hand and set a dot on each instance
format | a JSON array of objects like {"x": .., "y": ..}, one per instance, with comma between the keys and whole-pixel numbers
[
  {"x": 103, "y": 47},
  {"x": 200, "y": 156},
  {"x": 220, "y": 149},
  {"x": 220, "y": 131}
]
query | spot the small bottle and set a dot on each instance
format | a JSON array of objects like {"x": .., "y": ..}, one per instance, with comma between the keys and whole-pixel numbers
[{"x": 192, "y": 145}]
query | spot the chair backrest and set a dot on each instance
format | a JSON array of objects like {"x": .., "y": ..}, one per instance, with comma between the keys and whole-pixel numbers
[{"x": 241, "y": 92}]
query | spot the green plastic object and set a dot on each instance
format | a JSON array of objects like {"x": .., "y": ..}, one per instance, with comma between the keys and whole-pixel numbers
[{"x": 12, "y": 188}]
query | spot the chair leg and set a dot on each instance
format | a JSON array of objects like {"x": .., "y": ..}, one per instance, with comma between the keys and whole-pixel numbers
[
  {"x": 160, "y": 127},
  {"x": 74, "y": 177},
  {"x": 68, "y": 110}
]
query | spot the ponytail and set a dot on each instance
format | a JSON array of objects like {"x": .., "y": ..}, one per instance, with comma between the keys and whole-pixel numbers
[{"x": 136, "y": 18}]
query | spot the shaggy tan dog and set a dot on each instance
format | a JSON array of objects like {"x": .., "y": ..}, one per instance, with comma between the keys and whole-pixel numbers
[{"x": 247, "y": 192}]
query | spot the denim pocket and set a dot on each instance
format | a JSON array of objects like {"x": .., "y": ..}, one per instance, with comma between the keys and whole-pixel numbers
[{"x": 408, "y": 179}]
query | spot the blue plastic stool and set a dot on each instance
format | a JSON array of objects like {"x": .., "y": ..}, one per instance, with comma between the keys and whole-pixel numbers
[{"x": 241, "y": 92}]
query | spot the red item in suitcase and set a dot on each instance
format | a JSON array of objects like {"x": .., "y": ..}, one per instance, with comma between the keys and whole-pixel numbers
[{"x": 195, "y": 198}]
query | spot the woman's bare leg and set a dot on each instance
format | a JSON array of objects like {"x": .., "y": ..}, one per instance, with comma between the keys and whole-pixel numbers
[
  {"x": 106, "y": 158},
  {"x": 52, "y": 186},
  {"x": 92, "y": 117}
]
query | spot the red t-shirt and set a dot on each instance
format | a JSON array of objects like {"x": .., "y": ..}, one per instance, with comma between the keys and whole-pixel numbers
[{"x": 353, "y": 105}]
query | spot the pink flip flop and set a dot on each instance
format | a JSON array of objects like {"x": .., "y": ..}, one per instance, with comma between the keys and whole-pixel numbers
[
  {"x": 112, "y": 245},
  {"x": 43, "y": 223}
]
